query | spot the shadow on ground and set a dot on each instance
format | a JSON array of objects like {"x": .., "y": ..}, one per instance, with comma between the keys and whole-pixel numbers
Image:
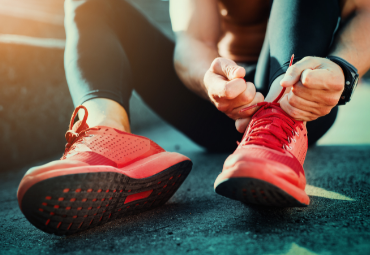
[{"x": 197, "y": 220}]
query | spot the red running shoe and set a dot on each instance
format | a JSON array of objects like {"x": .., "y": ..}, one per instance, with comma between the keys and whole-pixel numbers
[
  {"x": 267, "y": 166},
  {"x": 104, "y": 174}
]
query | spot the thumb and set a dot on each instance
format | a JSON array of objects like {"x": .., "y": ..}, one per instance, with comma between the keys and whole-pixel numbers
[
  {"x": 291, "y": 77},
  {"x": 293, "y": 74},
  {"x": 227, "y": 68}
]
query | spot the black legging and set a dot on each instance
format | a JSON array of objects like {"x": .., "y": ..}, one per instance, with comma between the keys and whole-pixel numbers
[{"x": 112, "y": 49}]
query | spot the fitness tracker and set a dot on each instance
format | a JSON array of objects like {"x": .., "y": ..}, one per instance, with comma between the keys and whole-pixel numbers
[{"x": 350, "y": 78}]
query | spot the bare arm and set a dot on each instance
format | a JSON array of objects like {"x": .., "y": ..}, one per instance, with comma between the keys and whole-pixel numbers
[
  {"x": 353, "y": 41},
  {"x": 197, "y": 28},
  {"x": 318, "y": 82},
  {"x": 197, "y": 62}
]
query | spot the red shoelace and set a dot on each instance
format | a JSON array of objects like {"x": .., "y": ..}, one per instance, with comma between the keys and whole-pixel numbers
[
  {"x": 259, "y": 134},
  {"x": 71, "y": 135}
]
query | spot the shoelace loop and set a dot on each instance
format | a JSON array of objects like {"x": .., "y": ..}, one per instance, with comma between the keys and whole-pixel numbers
[
  {"x": 72, "y": 136},
  {"x": 284, "y": 136},
  {"x": 258, "y": 125}
]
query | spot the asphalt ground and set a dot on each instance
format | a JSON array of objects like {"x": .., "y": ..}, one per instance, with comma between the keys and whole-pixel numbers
[{"x": 198, "y": 221}]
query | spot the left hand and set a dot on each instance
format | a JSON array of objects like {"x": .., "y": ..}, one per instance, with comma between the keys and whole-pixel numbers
[{"x": 316, "y": 86}]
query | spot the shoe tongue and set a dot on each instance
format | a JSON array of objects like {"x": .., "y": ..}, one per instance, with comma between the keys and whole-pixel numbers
[{"x": 79, "y": 126}]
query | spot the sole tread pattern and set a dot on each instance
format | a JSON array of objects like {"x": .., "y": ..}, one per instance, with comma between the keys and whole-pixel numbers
[
  {"x": 69, "y": 204},
  {"x": 255, "y": 191}
]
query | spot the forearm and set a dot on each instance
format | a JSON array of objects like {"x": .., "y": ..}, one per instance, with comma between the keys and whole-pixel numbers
[
  {"x": 192, "y": 59},
  {"x": 352, "y": 43}
]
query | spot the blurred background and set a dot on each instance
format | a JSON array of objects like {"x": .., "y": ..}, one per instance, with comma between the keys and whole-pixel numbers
[{"x": 35, "y": 104}]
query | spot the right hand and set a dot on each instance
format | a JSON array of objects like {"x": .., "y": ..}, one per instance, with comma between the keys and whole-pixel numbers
[{"x": 229, "y": 92}]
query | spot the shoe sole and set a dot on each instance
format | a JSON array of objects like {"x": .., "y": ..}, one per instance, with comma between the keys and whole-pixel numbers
[
  {"x": 256, "y": 191},
  {"x": 68, "y": 204}
]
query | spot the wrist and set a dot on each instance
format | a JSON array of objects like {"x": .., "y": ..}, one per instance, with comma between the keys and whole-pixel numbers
[{"x": 350, "y": 78}]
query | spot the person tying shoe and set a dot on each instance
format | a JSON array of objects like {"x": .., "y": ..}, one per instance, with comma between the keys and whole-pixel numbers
[{"x": 219, "y": 82}]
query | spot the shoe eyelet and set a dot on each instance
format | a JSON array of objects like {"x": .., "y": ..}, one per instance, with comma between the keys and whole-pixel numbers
[
  {"x": 285, "y": 146},
  {"x": 289, "y": 141},
  {"x": 296, "y": 133}
]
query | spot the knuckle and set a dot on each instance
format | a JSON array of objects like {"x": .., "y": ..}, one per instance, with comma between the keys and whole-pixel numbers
[
  {"x": 298, "y": 89},
  {"x": 307, "y": 79},
  {"x": 329, "y": 100},
  {"x": 228, "y": 90},
  {"x": 293, "y": 69},
  {"x": 337, "y": 86},
  {"x": 230, "y": 70},
  {"x": 325, "y": 110},
  {"x": 334, "y": 82},
  {"x": 294, "y": 113},
  {"x": 293, "y": 101},
  {"x": 248, "y": 97}
]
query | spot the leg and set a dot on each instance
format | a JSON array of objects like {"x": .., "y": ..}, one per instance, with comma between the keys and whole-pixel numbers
[
  {"x": 97, "y": 68},
  {"x": 261, "y": 170},
  {"x": 295, "y": 27},
  {"x": 114, "y": 172},
  {"x": 162, "y": 90},
  {"x": 111, "y": 57}
]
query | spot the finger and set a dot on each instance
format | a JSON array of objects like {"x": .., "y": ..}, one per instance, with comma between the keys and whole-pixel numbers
[
  {"x": 322, "y": 79},
  {"x": 245, "y": 98},
  {"x": 293, "y": 74},
  {"x": 227, "y": 68},
  {"x": 236, "y": 114},
  {"x": 296, "y": 113},
  {"x": 224, "y": 89},
  {"x": 242, "y": 124},
  {"x": 319, "y": 96},
  {"x": 234, "y": 88},
  {"x": 303, "y": 104}
]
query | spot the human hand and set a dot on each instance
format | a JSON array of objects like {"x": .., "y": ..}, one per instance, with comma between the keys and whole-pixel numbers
[
  {"x": 229, "y": 92},
  {"x": 316, "y": 86}
]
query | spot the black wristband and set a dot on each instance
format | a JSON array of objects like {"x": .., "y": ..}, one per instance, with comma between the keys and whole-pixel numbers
[{"x": 350, "y": 76}]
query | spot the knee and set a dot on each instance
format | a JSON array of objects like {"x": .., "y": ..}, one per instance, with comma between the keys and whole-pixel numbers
[{"x": 79, "y": 11}]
